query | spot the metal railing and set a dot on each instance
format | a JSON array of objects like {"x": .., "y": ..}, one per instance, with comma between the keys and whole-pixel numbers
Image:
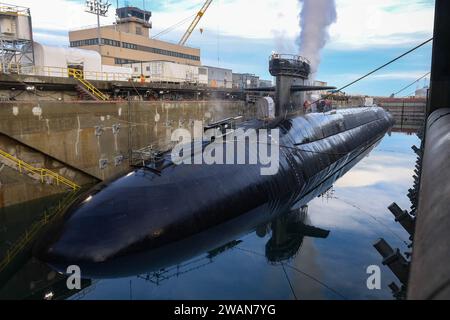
[
  {"x": 24, "y": 167},
  {"x": 12, "y": 9},
  {"x": 79, "y": 76},
  {"x": 60, "y": 72},
  {"x": 31, "y": 233}
]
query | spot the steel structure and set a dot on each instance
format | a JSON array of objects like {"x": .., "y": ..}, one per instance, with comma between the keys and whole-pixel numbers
[
  {"x": 194, "y": 23},
  {"x": 16, "y": 38},
  {"x": 100, "y": 8}
]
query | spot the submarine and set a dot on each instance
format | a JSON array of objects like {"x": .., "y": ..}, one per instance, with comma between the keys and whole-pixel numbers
[{"x": 126, "y": 226}]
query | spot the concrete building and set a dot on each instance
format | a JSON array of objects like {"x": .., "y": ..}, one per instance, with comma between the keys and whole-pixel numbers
[
  {"x": 422, "y": 93},
  {"x": 219, "y": 77},
  {"x": 265, "y": 83},
  {"x": 245, "y": 81},
  {"x": 408, "y": 112},
  {"x": 128, "y": 41}
]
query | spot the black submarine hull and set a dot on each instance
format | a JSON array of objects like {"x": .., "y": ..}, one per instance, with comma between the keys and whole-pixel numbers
[{"x": 143, "y": 214}]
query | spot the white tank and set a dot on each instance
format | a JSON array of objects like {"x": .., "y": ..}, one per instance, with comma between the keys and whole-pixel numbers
[{"x": 50, "y": 61}]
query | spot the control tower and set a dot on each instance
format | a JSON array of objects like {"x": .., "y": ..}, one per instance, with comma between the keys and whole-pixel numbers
[
  {"x": 134, "y": 20},
  {"x": 291, "y": 72}
]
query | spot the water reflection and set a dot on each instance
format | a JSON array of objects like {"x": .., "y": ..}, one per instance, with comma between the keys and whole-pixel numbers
[{"x": 319, "y": 252}]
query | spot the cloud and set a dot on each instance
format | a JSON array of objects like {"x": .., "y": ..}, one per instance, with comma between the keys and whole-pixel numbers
[
  {"x": 360, "y": 24},
  {"x": 410, "y": 75},
  {"x": 382, "y": 167}
]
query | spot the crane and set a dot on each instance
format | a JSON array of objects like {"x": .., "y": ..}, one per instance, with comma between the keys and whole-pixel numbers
[{"x": 194, "y": 23}]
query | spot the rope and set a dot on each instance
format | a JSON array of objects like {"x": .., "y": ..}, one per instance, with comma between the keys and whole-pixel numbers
[
  {"x": 376, "y": 70},
  {"x": 408, "y": 86}
]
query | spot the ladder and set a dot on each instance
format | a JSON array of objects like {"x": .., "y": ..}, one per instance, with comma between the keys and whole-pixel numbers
[
  {"x": 41, "y": 174},
  {"x": 86, "y": 85}
]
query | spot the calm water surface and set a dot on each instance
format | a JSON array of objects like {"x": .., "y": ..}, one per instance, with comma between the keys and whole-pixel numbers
[{"x": 321, "y": 252}]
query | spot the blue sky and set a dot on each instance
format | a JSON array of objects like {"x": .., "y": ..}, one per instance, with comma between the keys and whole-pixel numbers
[{"x": 241, "y": 35}]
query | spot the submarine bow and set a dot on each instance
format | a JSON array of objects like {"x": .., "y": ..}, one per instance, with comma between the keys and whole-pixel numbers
[{"x": 147, "y": 209}]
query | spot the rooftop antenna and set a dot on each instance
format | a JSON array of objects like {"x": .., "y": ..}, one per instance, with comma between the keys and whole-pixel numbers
[{"x": 100, "y": 8}]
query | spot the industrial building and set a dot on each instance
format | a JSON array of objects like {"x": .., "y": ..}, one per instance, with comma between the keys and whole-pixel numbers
[
  {"x": 100, "y": 57},
  {"x": 220, "y": 77},
  {"x": 170, "y": 72},
  {"x": 265, "y": 83},
  {"x": 245, "y": 81},
  {"x": 409, "y": 112},
  {"x": 128, "y": 41}
]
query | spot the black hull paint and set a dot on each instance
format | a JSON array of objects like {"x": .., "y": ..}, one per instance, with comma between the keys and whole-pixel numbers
[{"x": 146, "y": 221}]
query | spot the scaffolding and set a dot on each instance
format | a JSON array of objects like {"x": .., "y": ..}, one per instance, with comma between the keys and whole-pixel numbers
[{"x": 16, "y": 38}]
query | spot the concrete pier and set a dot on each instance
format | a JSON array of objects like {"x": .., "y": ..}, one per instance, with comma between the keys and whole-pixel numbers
[
  {"x": 430, "y": 273},
  {"x": 95, "y": 138}
]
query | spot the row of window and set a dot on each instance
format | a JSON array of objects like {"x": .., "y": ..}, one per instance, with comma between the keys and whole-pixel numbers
[
  {"x": 132, "y": 46},
  {"x": 124, "y": 61}
]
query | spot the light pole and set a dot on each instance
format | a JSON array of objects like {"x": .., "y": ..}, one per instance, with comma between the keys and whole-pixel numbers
[{"x": 100, "y": 8}]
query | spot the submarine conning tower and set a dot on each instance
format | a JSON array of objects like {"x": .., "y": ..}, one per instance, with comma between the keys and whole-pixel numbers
[{"x": 290, "y": 71}]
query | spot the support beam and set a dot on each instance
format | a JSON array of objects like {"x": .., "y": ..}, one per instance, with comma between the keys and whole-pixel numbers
[{"x": 440, "y": 68}]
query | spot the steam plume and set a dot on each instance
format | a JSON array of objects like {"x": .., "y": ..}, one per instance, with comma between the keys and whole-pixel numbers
[{"x": 316, "y": 17}]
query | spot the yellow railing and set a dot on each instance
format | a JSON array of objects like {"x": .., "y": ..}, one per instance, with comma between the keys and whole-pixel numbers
[
  {"x": 78, "y": 75},
  {"x": 60, "y": 72},
  {"x": 43, "y": 173},
  {"x": 31, "y": 233}
]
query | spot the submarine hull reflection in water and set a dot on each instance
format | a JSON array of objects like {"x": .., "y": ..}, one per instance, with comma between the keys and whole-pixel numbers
[{"x": 145, "y": 216}]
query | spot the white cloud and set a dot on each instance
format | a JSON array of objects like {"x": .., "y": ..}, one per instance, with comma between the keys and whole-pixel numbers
[
  {"x": 360, "y": 24},
  {"x": 382, "y": 168},
  {"x": 410, "y": 75}
]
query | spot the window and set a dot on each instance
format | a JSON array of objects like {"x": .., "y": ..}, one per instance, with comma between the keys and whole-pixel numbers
[{"x": 132, "y": 46}]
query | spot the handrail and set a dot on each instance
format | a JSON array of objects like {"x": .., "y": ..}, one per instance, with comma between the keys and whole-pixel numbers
[
  {"x": 29, "y": 234},
  {"x": 42, "y": 172},
  {"x": 61, "y": 72},
  {"x": 78, "y": 75}
]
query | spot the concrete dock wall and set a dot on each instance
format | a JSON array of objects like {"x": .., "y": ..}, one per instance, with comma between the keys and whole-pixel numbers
[
  {"x": 97, "y": 137},
  {"x": 430, "y": 273}
]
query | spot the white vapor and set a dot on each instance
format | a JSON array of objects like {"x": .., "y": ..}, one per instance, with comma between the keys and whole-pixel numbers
[{"x": 316, "y": 17}]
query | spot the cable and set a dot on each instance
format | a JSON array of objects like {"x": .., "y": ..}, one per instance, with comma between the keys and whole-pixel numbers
[
  {"x": 135, "y": 89},
  {"x": 178, "y": 24},
  {"x": 173, "y": 27},
  {"x": 408, "y": 86},
  {"x": 297, "y": 270},
  {"x": 374, "y": 218},
  {"x": 376, "y": 70},
  {"x": 289, "y": 281}
]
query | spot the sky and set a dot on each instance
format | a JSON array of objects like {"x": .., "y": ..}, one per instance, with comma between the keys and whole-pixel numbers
[{"x": 242, "y": 34}]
